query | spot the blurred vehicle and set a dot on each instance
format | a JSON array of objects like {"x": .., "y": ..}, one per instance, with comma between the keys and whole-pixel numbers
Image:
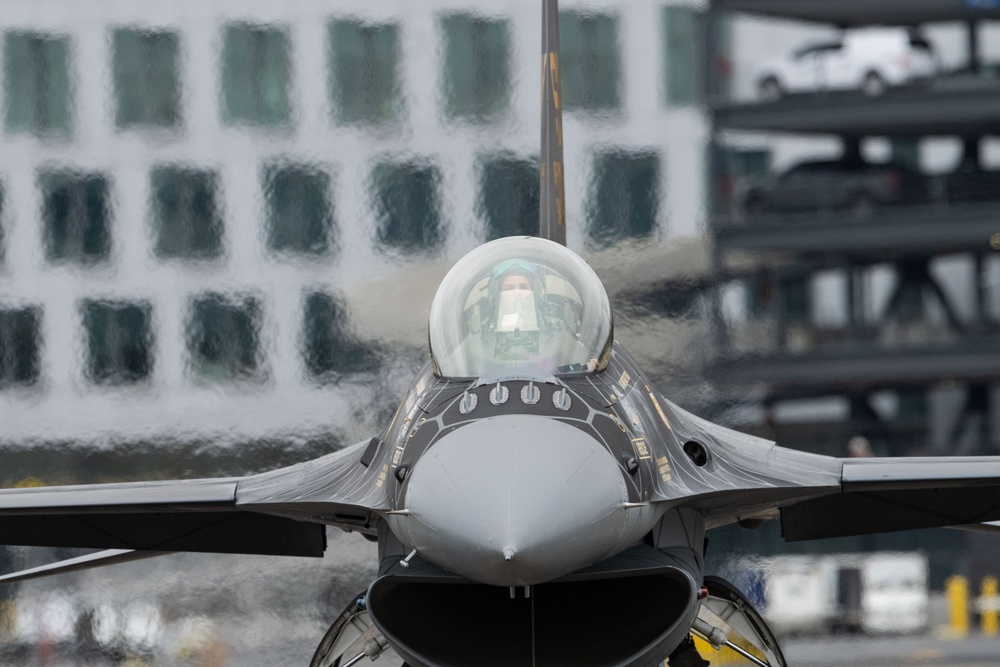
[
  {"x": 870, "y": 593},
  {"x": 799, "y": 593},
  {"x": 46, "y": 622},
  {"x": 971, "y": 184},
  {"x": 853, "y": 185},
  {"x": 135, "y": 629},
  {"x": 895, "y": 598},
  {"x": 868, "y": 60}
]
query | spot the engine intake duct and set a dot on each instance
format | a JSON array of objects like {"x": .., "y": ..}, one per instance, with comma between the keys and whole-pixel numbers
[{"x": 629, "y": 610}]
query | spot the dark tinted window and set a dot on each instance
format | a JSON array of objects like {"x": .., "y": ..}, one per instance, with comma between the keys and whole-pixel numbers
[
  {"x": 624, "y": 196},
  {"x": 364, "y": 79},
  {"x": 813, "y": 49},
  {"x": 223, "y": 337},
  {"x": 20, "y": 346},
  {"x": 682, "y": 48},
  {"x": 255, "y": 75},
  {"x": 407, "y": 206},
  {"x": 36, "y": 83},
  {"x": 75, "y": 217},
  {"x": 796, "y": 298},
  {"x": 328, "y": 346},
  {"x": 299, "y": 216},
  {"x": 145, "y": 78},
  {"x": 508, "y": 196},
  {"x": 590, "y": 67},
  {"x": 119, "y": 339},
  {"x": 477, "y": 63},
  {"x": 186, "y": 219}
]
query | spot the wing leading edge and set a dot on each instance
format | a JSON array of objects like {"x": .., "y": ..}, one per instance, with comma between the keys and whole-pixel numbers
[{"x": 281, "y": 512}]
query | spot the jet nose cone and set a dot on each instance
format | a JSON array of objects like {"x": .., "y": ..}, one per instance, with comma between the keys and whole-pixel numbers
[{"x": 515, "y": 500}]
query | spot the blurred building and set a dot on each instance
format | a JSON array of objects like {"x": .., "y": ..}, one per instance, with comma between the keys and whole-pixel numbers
[{"x": 224, "y": 221}]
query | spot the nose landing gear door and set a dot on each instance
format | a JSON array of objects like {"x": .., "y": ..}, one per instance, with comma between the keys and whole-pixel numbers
[{"x": 731, "y": 628}]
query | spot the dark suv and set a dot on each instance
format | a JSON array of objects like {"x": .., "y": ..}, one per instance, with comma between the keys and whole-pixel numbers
[{"x": 852, "y": 185}]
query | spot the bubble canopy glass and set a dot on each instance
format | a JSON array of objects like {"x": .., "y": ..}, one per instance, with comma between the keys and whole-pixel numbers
[{"x": 520, "y": 307}]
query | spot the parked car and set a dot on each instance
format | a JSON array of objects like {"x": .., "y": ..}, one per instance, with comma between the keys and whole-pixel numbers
[
  {"x": 868, "y": 60},
  {"x": 971, "y": 184},
  {"x": 853, "y": 185}
]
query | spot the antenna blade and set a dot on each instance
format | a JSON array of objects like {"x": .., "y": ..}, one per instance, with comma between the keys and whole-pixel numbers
[{"x": 552, "y": 199}]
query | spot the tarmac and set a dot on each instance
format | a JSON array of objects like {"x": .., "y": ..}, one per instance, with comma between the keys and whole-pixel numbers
[
  {"x": 267, "y": 641},
  {"x": 971, "y": 651}
]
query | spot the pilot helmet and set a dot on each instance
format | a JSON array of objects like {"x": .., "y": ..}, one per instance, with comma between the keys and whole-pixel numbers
[{"x": 505, "y": 274}]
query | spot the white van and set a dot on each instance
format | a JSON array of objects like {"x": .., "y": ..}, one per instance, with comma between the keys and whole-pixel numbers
[
  {"x": 873, "y": 593},
  {"x": 868, "y": 60}
]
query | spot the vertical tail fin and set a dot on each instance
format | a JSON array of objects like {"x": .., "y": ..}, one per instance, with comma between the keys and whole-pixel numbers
[{"x": 552, "y": 200}]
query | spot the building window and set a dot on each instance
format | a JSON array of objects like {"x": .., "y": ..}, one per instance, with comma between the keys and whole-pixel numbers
[
  {"x": 186, "y": 219},
  {"x": 76, "y": 217},
  {"x": 145, "y": 77},
  {"x": 328, "y": 347},
  {"x": 624, "y": 196},
  {"x": 477, "y": 66},
  {"x": 36, "y": 83},
  {"x": 589, "y": 45},
  {"x": 20, "y": 346},
  {"x": 364, "y": 79},
  {"x": 407, "y": 206},
  {"x": 508, "y": 196},
  {"x": 119, "y": 341},
  {"x": 682, "y": 47},
  {"x": 787, "y": 298},
  {"x": 255, "y": 75},
  {"x": 299, "y": 215},
  {"x": 733, "y": 170},
  {"x": 796, "y": 299},
  {"x": 223, "y": 337}
]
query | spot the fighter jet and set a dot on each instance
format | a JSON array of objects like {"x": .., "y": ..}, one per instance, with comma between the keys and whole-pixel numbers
[{"x": 536, "y": 501}]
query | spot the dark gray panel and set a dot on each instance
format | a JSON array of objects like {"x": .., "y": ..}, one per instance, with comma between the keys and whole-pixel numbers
[
  {"x": 218, "y": 532},
  {"x": 866, "y": 365},
  {"x": 888, "y": 234},
  {"x": 863, "y": 12},
  {"x": 859, "y": 513},
  {"x": 946, "y": 107},
  {"x": 885, "y": 495}
]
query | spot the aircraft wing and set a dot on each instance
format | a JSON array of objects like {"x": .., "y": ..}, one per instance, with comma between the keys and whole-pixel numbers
[
  {"x": 886, "y": 494},
  {"x": 748, "y": 478},
  {"x": 281, "y": 512}
]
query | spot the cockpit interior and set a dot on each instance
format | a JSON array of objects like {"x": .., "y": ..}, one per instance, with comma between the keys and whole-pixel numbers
[{"x": 520, "y": 307}]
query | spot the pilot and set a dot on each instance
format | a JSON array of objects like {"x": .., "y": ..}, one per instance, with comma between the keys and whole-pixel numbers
[
  {"x": 515, "y": 294},
  {"x": 523, "y": 321}
]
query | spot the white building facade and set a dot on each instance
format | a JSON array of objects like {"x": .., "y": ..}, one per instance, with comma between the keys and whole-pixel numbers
[{"x": 196, "y": 196}]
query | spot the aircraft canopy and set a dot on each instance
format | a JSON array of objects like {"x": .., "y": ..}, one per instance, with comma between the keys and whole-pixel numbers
[{"x": 520, "y": 307}]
